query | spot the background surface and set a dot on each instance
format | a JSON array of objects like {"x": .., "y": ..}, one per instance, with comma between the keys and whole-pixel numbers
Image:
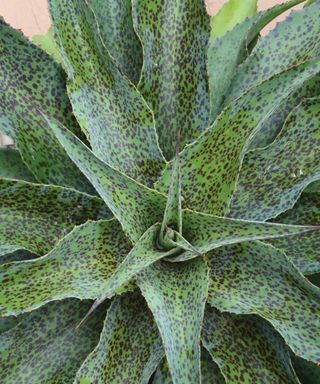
[{"x": 32, "y": 17}]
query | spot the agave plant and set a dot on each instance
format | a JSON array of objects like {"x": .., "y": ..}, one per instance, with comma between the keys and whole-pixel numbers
[{"x": 158, "y": 217}]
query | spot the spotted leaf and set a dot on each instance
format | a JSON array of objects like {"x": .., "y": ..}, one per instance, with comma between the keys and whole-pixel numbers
[
  {"x": 173, "y": 213},
  {"x": 134, "y": 205},
  {"x": 12, "y": 166},
  {"x": 272, "y": 125},
  {"x": 142, "y": 255},
  {"x": 45, "y": 347},
  {"x": 246, "y": 349},
  {"x": 207, "y": 232},
  {"x": 130, "y": 346},
  {"x": 35, "y": 217},
  {"x": 303, "y": 249},
  {"x": 210, "y": 166},
  {"x": 255, "y": 278},
  {"x": 290, "y": 43},
  {"x": 107, "y": 106},
  {"x": 77, "y": 267},
  {"x": 174, "y": 36},
  {"x": 210, "y": 372},
  {"x": 227, "y": 52},
  {"x": 30, "y": 78},
  {"x": 114, "y": 18},
  {"x": 272, "y": 178},
  {"x": 176, "y": 294}
]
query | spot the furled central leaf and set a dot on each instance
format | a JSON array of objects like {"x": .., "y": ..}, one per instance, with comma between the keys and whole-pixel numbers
[{"x": 207, "y": 232}]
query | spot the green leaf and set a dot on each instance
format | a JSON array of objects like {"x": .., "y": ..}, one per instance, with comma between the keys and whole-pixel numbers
[
  {"x": 35, "y": 217},
  {"x": 210, "y": 166},
  {"x": 114, "y": 18},
  {"x": 15, "y": 255},
  {"x": 77, "y": 267},
  {"x": 206, "y": 232},
  {"x": 109, "y": 109},
  {"x": 7, "y": 323},
  {"x": 142, "y": 255},
  {"x": 227, "y": 52},
  {"x": 303, "y": 249},
  {"x": 232, "y": 13},
  {"x": 173, "y": 213},
  {"x": 256, "y": 278},
  {"x": 29, "y": 79},
  {"x": 176, "y": 295},
  {"x": 130, "y": 346},
  {"x": 246, "y": 349},
  {"x": 210, "y": 373},
  {"x": 290, "y": 43},
  {"x": 272, "y": 125},
  {"x": 272, "y": 178},
  {"x": 12, "y": 166},
  {"x": 134, "y": 205},
  {"x": 48, "y": 44},
  {"x": 308, "y": 373},
  {"x": 45, "y": 347},
  {"x": 174, "y": 36}
]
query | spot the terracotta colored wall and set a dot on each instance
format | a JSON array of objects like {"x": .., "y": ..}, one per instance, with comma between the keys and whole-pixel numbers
[{"x": 31, "y": 16}]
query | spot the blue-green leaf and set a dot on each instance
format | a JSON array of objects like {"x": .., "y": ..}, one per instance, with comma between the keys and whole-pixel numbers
[
  {"x": 256, "y": 278},
  {"x": 174, "y": 36},
  {"x": 130, "y": 346},
  {"x": 134, "y": 205},
  {"x": 176, "y": 294},
  {"x": 108, "y": 107}
]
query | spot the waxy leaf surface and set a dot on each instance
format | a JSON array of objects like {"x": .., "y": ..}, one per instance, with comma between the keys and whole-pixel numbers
[
  {"x": 35, "y": 216},
  {"x": 176, "y": 294},
  {"x": 109, "y": 109},
  {"x": 256, "y": 278},
  {"x": 77, "y": 267},
  {"x": 130, "y": 346},
  {"x": 174, "y": 36}
]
